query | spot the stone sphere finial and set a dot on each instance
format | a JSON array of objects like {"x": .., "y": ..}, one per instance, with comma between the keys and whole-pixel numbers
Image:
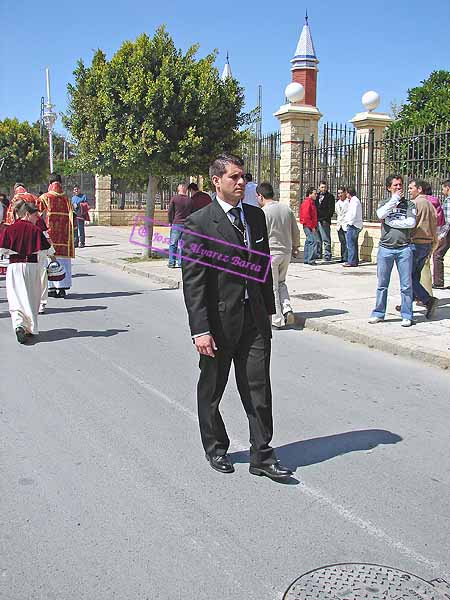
[
  {"x": 370, "y": 100},
  {"x": 294, "y": 92}
]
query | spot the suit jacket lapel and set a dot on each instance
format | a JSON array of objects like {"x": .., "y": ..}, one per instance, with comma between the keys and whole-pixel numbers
[{"x": 225, "y": 228}]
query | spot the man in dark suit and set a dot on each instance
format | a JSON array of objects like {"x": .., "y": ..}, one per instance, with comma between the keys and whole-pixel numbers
[{"x": 229, "y": 318}]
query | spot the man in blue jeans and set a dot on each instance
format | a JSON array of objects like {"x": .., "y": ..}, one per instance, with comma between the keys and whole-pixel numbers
[
  {"x": 180, "y": 207},
  {"x": 398, "y": 217},
  {"x": 354, "y": 223}
]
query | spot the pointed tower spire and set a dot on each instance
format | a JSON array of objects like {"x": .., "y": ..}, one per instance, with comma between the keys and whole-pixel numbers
[
  {"x": 226, "y": 73},
  {"x": 304, "y": 64}
]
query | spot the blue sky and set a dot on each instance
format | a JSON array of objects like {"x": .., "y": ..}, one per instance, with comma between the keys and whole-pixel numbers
[{"x": 385, "y": 46}]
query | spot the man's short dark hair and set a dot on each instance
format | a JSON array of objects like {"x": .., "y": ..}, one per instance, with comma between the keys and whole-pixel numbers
[
  {"x": 323, "y": 182},
  {"x": 219, "y": 165},
  {"x": 428, "y": 190},
  {"x": 193, "y": 187},
  {"x": 248, "y": 177},
  {"x": 342, "y": 188},
  {"x": 265, "y": 190},
  {"x": 390, "y": 179},
  {"x": 446, "y": 182},
  {"x": 421, "y": 183},
  {"x": 351, "y": 190},
  {"x": 310, "y": 190},
  {"x": 55, "y": 178},
  {"x": 18, "y": 184}
]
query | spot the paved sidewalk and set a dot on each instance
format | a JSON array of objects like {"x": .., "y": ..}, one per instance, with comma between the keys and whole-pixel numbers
[{"x": 326, "y": 298}]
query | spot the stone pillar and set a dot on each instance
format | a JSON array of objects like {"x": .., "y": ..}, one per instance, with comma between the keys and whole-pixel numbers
[
  {"x": 369, "y": 182},
  {"x": 297, "y": 123},
  {"x": 365, "y": 121},
  {"x": 101, "y": 215}
]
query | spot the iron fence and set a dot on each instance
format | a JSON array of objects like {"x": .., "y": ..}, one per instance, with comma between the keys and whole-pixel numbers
[
  {"x": 85, "y": 181},
  {"x": 126, "y": 197},
  {"x": 261, "y": 157},
  {"x": 341, "y": 159}
]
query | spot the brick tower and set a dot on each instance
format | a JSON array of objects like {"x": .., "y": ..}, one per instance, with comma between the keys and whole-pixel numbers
[{"x": 304, "y": 66}]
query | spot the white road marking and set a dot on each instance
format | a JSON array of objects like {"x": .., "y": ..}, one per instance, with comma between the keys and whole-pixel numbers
[{"x": 341, "y": 510}]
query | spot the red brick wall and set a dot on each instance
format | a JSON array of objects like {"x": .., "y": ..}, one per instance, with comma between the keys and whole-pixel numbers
[{"x": 308, "y": 79}]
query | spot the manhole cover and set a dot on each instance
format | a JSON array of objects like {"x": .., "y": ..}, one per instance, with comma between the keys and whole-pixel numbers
[
  {"x": 357, "y": 581},
  {"x": 311, "y": 296}
]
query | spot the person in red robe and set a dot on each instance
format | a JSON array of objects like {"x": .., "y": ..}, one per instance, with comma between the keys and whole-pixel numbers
[
  {"x": 57, "y": 211},
  {"x": 20, "y": 194},
  {"x": 23, "y": 242}
]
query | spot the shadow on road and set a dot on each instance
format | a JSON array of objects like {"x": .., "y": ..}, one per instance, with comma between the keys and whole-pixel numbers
[
  {"x": 83, "y": 275},
  {"x": 100, "y": 245},
  {"x": 51, "y": 311},
  {"x": 301, "y": 317},
  {"x": 71, "y": 296},
  {"x": 55, "y": 335},
  {"x": 317, "y": 450}
]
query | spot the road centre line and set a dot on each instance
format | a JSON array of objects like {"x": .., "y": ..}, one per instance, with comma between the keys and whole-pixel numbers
[{"x": 363, "y": 524}]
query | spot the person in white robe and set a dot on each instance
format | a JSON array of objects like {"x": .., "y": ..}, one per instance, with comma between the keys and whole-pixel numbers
[{"x": 25, "y": 245}]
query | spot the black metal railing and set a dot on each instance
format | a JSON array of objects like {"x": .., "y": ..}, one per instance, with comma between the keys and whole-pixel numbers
[
  {"x": 341, "y": 159},
  {"x": 261, "y": 157}
]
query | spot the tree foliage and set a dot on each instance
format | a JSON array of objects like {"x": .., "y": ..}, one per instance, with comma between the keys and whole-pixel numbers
[
  {"x": 23, "y": 153},
  {"x": 151, "y": 109},
  {"x": 418, "y": 141},
  {"x": 427, "y": 105}
]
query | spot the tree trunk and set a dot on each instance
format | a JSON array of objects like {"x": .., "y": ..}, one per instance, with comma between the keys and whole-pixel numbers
[{"x": 152, "y": 188}]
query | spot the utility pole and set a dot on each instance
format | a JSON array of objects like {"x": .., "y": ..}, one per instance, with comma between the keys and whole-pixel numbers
[{"x": 49, "y": 118}]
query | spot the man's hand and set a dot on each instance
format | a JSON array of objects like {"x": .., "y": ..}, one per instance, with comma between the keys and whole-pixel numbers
[
  {"x": 294, "y": 252},
  {"x": 205, "y": 344}
]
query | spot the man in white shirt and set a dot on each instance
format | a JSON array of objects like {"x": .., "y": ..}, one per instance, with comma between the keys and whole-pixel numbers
[
  {"x": 341, "y": 226},
  {"x": 354, "y": 223},
  {"x": 284, "y": 240},
  {"x": 250, "y": 196}
]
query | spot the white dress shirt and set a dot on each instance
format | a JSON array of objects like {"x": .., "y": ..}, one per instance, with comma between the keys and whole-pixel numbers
[{"x": 353, "y": 216}]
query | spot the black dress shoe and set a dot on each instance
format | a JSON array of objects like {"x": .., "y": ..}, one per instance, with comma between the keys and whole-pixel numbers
[
  {"x": 275, "y": 471},
  {"x": 220, "y": 463},
  {"x": 21, "y": 335}
]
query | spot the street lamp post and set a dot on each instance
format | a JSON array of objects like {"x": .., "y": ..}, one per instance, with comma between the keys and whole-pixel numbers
[{"x": 49, "y": 119}]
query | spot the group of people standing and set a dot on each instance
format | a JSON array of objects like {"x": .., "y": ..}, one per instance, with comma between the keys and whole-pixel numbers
[
  {"x": 316, "y": 213},
  {"x": 33, "y": 230},
  {"x": 412, "y": 230}
]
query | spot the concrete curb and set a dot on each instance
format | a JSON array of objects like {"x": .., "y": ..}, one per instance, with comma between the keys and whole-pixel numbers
[
  {"x": 436, "y": 359},
  {"x": 170, "y": 282}
]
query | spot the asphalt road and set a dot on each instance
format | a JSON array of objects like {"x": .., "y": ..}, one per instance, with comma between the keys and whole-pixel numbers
[{"x": 105, "y": 492}]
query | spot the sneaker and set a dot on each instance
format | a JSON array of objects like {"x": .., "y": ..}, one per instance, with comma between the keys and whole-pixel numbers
[
  {"x": 431, "y": 307},
  {"x": 42, "y": 309},
  {"x": 289, "y": 318},
  {"x": 374, "y": 320},
  {"x": 171, "y": 266},
  {"x": 438, "y": 286},
  {"x": 21, "y": 335},
  {"x": 406, "y": 323}
]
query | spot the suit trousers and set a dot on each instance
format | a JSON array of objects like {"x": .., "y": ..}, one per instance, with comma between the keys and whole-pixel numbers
[{"x": 251, "y": 358}]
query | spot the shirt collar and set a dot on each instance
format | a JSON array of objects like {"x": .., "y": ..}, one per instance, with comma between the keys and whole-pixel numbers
[{"x": 227, "y": 207}]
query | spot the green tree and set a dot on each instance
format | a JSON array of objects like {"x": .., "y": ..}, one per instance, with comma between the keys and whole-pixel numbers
[
  {"x": 417, "y": 142},
  {"x": 427, "y": 105},
  {"x": 23, "y": 154},
  {"x": 152, "y": 111}
]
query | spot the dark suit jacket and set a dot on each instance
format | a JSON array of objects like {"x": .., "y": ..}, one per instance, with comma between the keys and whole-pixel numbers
[
  {"x": 325, "y": 210},
  {"x": 215, "y": 299}
]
